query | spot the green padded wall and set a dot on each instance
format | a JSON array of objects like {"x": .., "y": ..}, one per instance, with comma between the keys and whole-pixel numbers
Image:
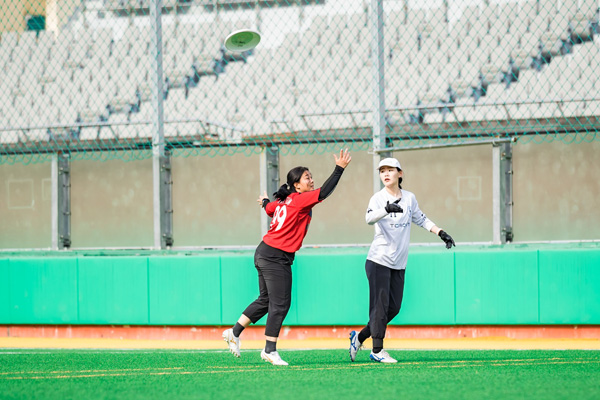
[
  {"x": 182, "y": 290},
  {"x": 513, "y": 284},
  {"x": 5, "y": 303},
  {"x": 496, "y": 287},
  {"x": 428, "y": 290},
  {"x": 43, "y": 289},
  {"x": 331, "y": 290},
  {"x": 239, "y": 286},
  {"x": 569, "y": 287},
  {"x": 113, "y": 290}
]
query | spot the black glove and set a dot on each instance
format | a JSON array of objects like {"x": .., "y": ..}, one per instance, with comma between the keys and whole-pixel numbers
[
  {"x": 393, "y": 207},
  {"x": 447, "y": 239}
]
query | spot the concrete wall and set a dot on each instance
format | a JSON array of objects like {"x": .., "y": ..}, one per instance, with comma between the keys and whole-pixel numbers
[{"x": 555, "y": 190}]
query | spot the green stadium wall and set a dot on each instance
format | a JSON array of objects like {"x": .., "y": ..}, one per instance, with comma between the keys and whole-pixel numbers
[{"x": 501, "y": 285}]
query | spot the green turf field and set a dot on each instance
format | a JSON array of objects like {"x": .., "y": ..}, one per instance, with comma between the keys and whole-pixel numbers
[{"x": 177, "y": 374}]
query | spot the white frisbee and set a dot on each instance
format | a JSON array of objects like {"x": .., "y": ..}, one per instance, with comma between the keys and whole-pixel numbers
[{"x": 242, "y": 40}]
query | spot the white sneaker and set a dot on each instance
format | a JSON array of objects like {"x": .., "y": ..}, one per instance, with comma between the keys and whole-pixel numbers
[
  {"x": 232, "y": 341},
  {"x": 272, "y": 357},
  {"x": 382, "y": 357},
  {"x": 355, "y": 345}
]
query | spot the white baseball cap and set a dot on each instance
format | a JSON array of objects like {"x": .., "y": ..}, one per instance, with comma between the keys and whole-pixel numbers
[{"x": 389, "y": 162}]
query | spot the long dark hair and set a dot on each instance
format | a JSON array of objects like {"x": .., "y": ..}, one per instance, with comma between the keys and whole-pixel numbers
[{"x": 286, "y": 189}]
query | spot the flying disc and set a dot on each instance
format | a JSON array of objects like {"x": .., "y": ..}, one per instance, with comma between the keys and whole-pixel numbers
[{"x": 242, "y": 40}]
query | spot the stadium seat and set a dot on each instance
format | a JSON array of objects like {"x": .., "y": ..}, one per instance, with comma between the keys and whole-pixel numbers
[
  {"x": 338, "y": 22},
  {"x": 559, "y": 24},
  {"x": 319, "y": 23},
  {"x": 27, "y": 41},
  {"x": 392, "y": 18},
  {"x": 421, "y": 57},
  {"x": 581, "y": 28},
  {"x": 144, "y": 115},
  {"x": 552, "y": 44},
  {"x": 10, "y": 40},
  {"x": 547, "y": 8}
]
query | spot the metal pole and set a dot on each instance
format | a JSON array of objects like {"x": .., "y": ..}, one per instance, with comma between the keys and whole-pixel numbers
[
  {"x": 502, "y": 191},
  {"x": 61, "y": 201},
  {"x": 494, "y": 142},
  {"x": 496, "y": 195},
  {"x": 54, "y": 201},
  {"x": 166, "y": 201},
  {"x": 377, "y": 58},
  {"x": 269, "y": 179},
  {"x": 158, "y": 137},
  {"x": 506, "y": 191}
]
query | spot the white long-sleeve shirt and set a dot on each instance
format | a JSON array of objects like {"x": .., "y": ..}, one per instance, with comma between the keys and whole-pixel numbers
[{"x": 392, "y": 231}]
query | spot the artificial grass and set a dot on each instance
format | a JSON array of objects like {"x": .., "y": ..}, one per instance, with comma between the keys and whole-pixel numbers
[{"x": 177, "y": 374}]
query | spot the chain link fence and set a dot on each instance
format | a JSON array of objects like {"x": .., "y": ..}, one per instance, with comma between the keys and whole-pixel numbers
[{"x": 76, "y": 76}]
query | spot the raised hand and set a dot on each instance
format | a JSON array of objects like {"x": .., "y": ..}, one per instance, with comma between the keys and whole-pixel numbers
[
  {"x": 344, "y": 159},
  {"x": 262, "y": 198},
  {"x": 447, "y": 239}
]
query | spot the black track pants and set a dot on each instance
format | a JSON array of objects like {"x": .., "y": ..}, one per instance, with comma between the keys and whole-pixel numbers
[
  {"x": 386, "y": 288},
  {"x": 274, "y": 268}
]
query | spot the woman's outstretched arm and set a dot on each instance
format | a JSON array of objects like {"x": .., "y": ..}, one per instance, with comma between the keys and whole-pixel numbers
[{"x": 341, "y": 163}]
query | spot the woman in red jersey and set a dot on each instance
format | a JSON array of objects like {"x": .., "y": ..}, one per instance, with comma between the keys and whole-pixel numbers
[{"x": 291, "y": 212}]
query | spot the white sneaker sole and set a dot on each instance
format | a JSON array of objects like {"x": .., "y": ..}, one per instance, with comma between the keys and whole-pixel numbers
[
  {"x": 266, "y": 359},
  {"x": 229, "y": 344}
]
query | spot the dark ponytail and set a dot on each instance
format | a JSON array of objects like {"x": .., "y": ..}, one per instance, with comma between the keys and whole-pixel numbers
[
  {"x": 400, "y": 182},
  {"x": 286, "y": 189}
]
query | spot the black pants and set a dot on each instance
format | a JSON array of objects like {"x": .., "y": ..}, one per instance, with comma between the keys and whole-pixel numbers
[
  {"x": 274, "y": 268},
  {"x": 386, "y": 288}
]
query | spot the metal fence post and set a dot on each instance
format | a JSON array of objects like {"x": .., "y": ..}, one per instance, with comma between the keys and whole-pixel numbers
[
  {"x": 61, "y": 201},
  {"x": 377, "y": 57},
  {"x": 269, "y": 179},
  {"x": 502, "y": 193},
  {"x": 158, "y": 139}
]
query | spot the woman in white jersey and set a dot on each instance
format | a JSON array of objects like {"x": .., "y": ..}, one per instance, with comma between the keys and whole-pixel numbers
[{"x": 392, "y": 210}]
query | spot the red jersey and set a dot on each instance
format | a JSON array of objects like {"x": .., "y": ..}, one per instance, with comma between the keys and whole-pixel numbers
[{"x": 291, "y": 218}]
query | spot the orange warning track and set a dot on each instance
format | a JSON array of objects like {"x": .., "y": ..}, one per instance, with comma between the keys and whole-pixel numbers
[
  {"x": 300, "y": 332},
  {"x": 398, "y": 337},
  {"x": 473, "y": 344}
]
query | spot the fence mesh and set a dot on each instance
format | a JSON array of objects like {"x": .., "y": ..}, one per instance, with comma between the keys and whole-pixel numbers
[{"x": 75, "y": 76}]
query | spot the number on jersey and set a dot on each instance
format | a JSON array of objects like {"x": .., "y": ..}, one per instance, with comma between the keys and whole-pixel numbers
[{"x": 279, "y": 217}]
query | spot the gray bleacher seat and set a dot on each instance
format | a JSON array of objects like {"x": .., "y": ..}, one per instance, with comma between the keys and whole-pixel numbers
[
  {"x": 294, "y": 84},
  {"x": 102, "y": 44},
  {"x": 27, "y": 41},
  {"x": 559, "y": 23},
  {"x": 552, "y": 43},
  {"x": 581, "y": 27},
  {"x": 319, "y": 23},
  {"x": 539, "y": 24},
  {"x": 492, "y": 73},
  {"x": 10, "y": 40},
  {"x": 338, "y": 22}
]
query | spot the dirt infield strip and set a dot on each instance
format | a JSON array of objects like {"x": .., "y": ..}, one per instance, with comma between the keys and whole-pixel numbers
[{"x": 420, "y": 344}]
